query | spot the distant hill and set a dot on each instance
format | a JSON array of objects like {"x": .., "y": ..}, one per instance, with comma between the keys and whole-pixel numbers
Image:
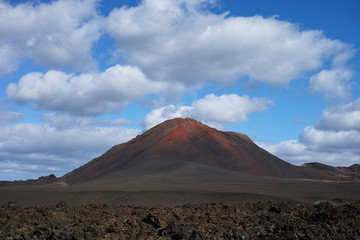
[
  {"x": 41, "y": 180},
  {"x": 355, "y": 168},
  {"x": 178, "y": 145}
]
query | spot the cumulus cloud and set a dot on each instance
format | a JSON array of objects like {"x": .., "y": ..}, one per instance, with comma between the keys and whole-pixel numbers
[
  {"x": 175, "y": 41},
  {"x": 84, "y": 94},
  {"x": 55, "y": 146},
  {"x": 292, "y": 151},
  {"x": 298, "y": 153},
  {"x": 337, "y": 129},
  {"x": 333, "y": 83},
  {"x": 229, "y": 108},
  {"x": 330, "y": 140},
  {"x": 59, "y": 34},
  {"x": 181, "y": 41},
  {"x": 63, "y": 121},
  {"x": 341, "y": 117},
  {"x": 213, "y": 110},
  {"x": 9, "y": 59},
  {"x": 10, "y": 117},
  {"x": 161, "y": 114},
  {"x": 334, "y": 139}
]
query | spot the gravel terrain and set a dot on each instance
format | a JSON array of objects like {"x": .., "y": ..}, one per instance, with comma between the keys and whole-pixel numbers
[{"x": 335, "y": 219}]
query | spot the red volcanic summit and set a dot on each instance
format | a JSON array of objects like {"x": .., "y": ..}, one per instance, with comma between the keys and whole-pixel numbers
[{"x": 179, "y": 142}]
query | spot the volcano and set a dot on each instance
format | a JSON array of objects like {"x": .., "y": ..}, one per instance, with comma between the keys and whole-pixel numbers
[{"x": 189, "y": 146}]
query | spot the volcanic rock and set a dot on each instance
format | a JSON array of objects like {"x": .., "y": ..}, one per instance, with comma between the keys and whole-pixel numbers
[{"x": 189, "y": 141}]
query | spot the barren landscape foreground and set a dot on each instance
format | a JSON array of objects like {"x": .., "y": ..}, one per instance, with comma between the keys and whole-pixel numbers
[
  {"x": 182, "y": 207},
  {"x": 335, "y": 219},
  {"x": 185, "y": 180}
]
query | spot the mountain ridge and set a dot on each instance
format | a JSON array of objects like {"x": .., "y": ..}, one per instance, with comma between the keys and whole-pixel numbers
[{"x": 187, "y": 140}]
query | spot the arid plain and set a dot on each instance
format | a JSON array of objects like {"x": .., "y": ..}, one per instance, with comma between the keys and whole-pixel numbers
[
  {"x": 176, "y": 189},
  {"x": 185, "y": 180}
]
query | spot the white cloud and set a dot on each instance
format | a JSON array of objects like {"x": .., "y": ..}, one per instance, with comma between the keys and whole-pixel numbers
[
  {"x": 85, "y": 94},
  {"x": 183, "y": 42},
  {"x": 292, "y": 151},
  {"x": 333, "y": 140},
  {"x": 341, "y": 117},
  {"x": 228, "y": 108},
  {"x": 298, "y": 153},
  {"x": 333, "y": 83},
  {"x": 338, "y": 129},
  {"x": 59, "y": 34},
  {"x": 9, "y": 59},
  {"x": 62, "y": 121},
  {"x": 161, "y": 114},
  {"x": 213, "y": 110},
  {"x": 56, "y": 146},
  {"x": 9, "y": 117}
]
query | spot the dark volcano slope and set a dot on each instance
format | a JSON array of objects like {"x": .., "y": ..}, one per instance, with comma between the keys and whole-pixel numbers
[{"x": 187, "y": 140}]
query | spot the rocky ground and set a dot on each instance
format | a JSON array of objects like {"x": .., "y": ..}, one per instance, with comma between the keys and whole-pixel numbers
[{"x": 336, "y": 219}]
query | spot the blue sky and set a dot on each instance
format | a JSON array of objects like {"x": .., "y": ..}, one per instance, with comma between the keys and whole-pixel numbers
[{"x": 79, "y": 76}]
